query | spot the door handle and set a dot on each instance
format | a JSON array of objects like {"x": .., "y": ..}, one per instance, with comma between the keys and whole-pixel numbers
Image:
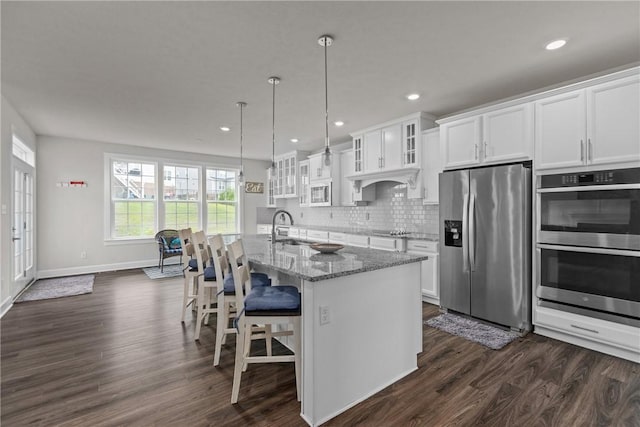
[
  {"x": 581, "y": 150},
  {"x": 13, "y": 239},
  {"x": 589, "y": 150},
  {"x": 465, "y": 234},
  {"x": 475, "y": 155},
  {"x": 472, "y": 233}
]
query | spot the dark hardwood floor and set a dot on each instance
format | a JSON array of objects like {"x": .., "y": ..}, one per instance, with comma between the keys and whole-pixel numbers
[{"x": 120, "y": 356}]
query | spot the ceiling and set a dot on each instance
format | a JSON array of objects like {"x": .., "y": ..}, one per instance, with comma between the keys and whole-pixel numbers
[{"x": 169, "y": 74}]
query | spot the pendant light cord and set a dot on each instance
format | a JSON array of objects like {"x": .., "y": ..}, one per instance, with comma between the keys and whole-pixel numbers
[
  {"x": 326, "y": 98},
  {"x": 273, "y": 125},
  {"x": 241, "y": 136}
]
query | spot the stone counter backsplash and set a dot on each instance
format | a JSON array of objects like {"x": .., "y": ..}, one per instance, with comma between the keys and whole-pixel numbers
[{"x": 390, "y": 211}]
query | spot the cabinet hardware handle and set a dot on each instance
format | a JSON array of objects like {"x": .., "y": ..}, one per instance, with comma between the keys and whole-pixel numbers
[
  {"x": 581, "y": 150},
  {"x": 485, "y": 149},
  {"x": 589, "y": 150},
  {"x": 475, "y": 152},
  {"x": 585, "y": 329}
]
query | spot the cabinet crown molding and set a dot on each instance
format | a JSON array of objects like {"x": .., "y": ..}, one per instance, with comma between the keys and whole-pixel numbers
[{"x": 537, "y": 94}]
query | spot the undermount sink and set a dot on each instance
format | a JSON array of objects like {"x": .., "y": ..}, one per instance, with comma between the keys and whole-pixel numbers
[{"x": 291, "y": 242}]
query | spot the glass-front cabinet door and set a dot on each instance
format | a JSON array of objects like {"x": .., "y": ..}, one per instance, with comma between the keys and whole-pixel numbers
[
  {"x": 357, "y": 154},
  {"x": 304, "y": 182},
  {"x": 409, "y": 139}
]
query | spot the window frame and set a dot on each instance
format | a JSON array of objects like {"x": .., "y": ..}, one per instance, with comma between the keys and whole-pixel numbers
[
  {"x": 159, "y": 163},
  {"x": 198, "y": 202}
]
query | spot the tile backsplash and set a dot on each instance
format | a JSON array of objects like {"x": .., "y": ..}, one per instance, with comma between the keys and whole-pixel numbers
[{"x": 391, "y": 210}]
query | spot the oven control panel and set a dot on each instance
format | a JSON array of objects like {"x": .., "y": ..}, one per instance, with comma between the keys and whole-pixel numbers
[{"x": 605, "y": 177}]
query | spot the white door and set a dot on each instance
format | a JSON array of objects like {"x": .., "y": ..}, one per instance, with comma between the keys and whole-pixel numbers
[
  {"x": 372, "y": 151},
  {"x": 22, "y": 237}
]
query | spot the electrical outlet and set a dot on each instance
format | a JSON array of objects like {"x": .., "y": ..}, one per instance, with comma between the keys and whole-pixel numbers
[
  {"x": 330, "y": 215},
  {"x": 324, "y": 315},
  {"x": 83, "y": 255},
  {"x": 367, "y": 216}
]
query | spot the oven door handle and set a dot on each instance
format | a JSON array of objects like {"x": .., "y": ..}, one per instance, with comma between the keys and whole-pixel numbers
[
  {"x": 590, "y": 188},
  {"x": 590, "y": 250}
]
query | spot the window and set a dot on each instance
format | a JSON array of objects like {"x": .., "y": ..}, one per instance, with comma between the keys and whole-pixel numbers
[
  {"x": 133, "y": 199},
  {"x": 24, "y": 153},
  {"x": 181, "y": 197},
  {"x": 222, "y": 204}
]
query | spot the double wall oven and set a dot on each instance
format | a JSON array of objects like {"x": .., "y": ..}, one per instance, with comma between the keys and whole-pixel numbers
[{"x": 588, "y": 243}]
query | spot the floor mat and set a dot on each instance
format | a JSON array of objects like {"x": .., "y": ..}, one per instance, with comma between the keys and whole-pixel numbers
[
  {"x": 58, "y": 287},
  {"x": 171, "y": 270},
  {"x": 486, "y": 335}
]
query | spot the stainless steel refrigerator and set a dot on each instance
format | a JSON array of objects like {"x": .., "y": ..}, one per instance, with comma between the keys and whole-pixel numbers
[{"x": 485, "y": 244}]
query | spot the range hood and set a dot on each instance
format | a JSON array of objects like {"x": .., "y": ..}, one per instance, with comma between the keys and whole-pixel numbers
[{"x": 408, "y": 175}]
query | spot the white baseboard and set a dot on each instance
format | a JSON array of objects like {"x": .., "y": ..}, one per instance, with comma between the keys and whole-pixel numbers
[
  {"x": 87, "y": 269},
  {"x": 6, "y": 305}
]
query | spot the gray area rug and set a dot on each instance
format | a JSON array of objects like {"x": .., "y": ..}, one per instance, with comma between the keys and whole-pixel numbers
[
  {"x": 488, "y": 336},
  {"x": 58, "y": 287},
  {"x": 171, "y": 270}
]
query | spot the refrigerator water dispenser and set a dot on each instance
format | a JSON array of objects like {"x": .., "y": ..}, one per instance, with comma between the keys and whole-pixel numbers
[{"x": 453, "y": 233}]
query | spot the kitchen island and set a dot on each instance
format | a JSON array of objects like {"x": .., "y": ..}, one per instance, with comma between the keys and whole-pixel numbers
[{"x": 361, "y": 319}]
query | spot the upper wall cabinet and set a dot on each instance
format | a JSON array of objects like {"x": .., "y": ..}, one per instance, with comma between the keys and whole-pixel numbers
[
  {"x": 303, "y": 189},
  {"x": 591, "y": 126},
  {"x": 431, "y": 165},
  {"x": 497, "y": 136},
  {"x": 390, "y": 146},
  {"x": 286, "y": 179}
]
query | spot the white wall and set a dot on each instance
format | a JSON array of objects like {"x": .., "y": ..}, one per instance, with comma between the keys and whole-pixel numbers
[
  {"x": 71, "y": 220},
  {"x": 11, "y": 122}
]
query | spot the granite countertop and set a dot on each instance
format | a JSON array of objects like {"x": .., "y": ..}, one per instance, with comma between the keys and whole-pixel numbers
[
  {"x": 308, "y": 264},
  {"x": 367, "y": 232}
]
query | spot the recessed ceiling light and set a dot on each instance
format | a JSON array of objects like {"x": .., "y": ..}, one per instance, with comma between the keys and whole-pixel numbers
[
  {"x": 224, "y": 129},
  {"x": 338, "y": 123},
  {"x": 556, "y": 44},
  {"x": 413, "y": 96},
  {"x": 294, "y": 139}
]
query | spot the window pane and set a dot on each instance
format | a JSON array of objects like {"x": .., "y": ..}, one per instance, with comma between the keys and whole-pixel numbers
[
  {"x": 133, "y": 191},
  {"x": 182, "y": 215}
]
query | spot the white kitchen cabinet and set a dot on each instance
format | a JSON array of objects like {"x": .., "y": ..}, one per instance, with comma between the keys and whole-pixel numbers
[
  {"x": 358, "y": 159},
  {"x": 337, "y": 237},
  {"x": 287, "y": 179},
  {"x": 372, "y": 149},
  {"x": 387, "y": 243},
  {"x": 597, "y": 334},
  {"x": 613, "y": 121},
  {"x": 597, "y": 125},
  {"x": 352, "y": 195},
  {"x": 390, "y": 146},
  {"x": 498, "y": 136},
  {"x": 411, "y": 143},
  {"x": 319, "y": 171},
  {"x": 357, "y": 240},
  {"x": 431, "y": 165},
  {"x": 507, "y": 134},
  {"x": 271, "y": 183},
  {"x": 430, "y": 277},
  {"x": 304, "y": 181},
  {"x": 460, "y": 142},
  {"x": 318, "y": 236}
]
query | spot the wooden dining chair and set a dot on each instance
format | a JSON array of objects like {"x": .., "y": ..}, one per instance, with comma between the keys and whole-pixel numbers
[{"x": 265, "y": 305}]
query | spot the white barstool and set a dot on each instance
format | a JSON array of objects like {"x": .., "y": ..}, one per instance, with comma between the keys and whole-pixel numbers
[{"x": 265, "y": 305}]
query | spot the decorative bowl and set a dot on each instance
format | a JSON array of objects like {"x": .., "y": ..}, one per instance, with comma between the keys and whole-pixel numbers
[{"x": 326, "y": 248}]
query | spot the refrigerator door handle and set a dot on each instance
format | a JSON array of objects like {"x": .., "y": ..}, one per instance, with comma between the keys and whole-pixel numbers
[
  {"x": 465, "y": 234},
  {"x": 472, "y": 232}
]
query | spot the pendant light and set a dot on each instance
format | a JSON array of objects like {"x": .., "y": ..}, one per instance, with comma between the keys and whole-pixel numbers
[
  {"x": 273, "y": 81},
  {"x": 326, "y": 41},
  {"x": 241, "y": 174}
]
